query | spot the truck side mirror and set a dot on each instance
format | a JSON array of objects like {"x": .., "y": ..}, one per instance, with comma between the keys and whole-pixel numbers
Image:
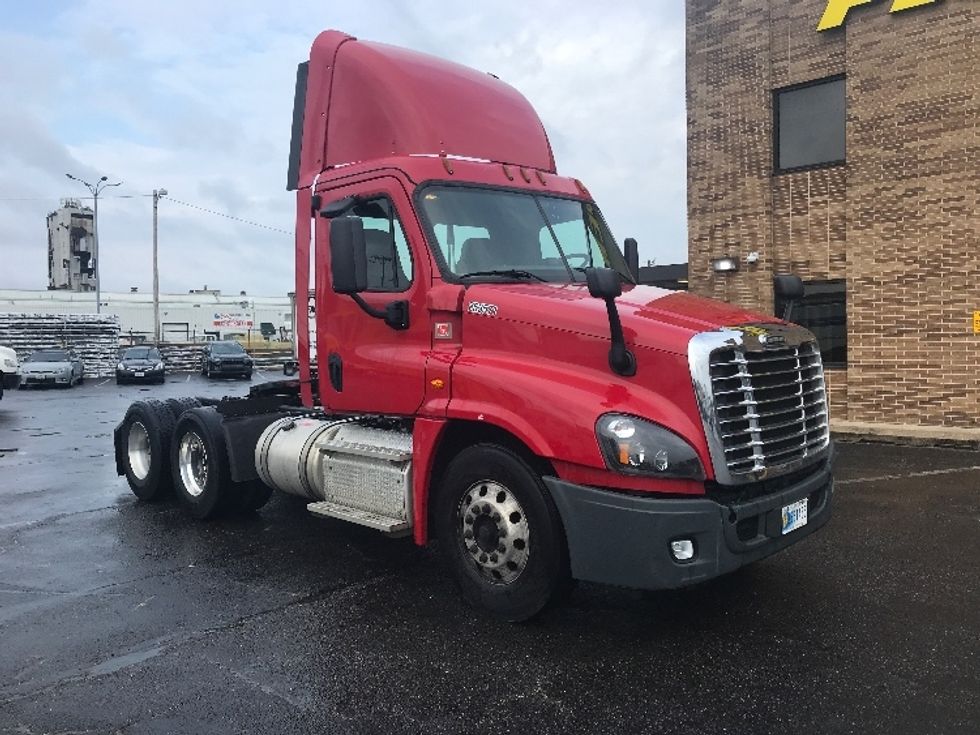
[
  {"x": 789, "y": 288},
  {"x": 604, "y": 284},
  {"x": 632, "y": 254},
  {"x": 348, "y": 255}
]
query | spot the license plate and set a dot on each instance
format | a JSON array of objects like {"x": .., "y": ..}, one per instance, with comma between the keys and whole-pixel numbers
[
  {"x": 794, "y": 516},
  {"x": 139, "y": 373}
]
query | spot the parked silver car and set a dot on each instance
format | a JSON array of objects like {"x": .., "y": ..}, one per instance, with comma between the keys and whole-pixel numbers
[{"x": 52, "y": 367}]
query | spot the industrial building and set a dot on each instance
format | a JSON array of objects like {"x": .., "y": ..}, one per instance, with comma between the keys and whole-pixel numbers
[
  {"x": 71, "y": 252},
  {"x": 192, "y": 317},
  {"x": 838, "y": 140}
]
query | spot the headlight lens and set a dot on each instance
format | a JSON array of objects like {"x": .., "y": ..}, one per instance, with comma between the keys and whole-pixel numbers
[
  {"x": 9, "y": 364},
  {"x": 637, "y": 447},
  {"x": 121, "y": 366},
  {"x": 158, "y": 366}
]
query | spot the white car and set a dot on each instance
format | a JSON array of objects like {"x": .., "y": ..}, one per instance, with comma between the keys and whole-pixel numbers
[
  {"x": 9, "y": 370},
  {"x": 52, "y": 366}
]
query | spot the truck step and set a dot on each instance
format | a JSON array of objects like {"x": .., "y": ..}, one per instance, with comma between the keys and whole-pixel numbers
[{"x": 390, "y": 526}]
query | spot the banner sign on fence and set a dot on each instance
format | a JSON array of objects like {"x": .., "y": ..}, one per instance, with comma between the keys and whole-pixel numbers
[{"x": 232, "y": 320}]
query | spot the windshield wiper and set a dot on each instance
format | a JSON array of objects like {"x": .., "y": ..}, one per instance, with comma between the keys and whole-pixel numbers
[{"x": 508, "y": 272}]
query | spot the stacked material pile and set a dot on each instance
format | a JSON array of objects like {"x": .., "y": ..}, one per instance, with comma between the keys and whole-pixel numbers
[
  {"x": 94, "y": 337},
  {"x": 182, "y": 357}
]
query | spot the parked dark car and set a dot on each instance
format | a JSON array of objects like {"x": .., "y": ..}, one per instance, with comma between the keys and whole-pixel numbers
[
  {"x": 226, "y": 358},
  {"x": 138, "y": 364},
  {"x": 54, "y": 366}
]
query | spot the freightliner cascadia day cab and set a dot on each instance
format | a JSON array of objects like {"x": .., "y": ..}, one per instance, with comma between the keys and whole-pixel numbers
[{"x": 479, "y": 365}]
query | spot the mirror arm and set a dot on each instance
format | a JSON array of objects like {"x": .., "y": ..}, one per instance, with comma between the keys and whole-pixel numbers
[
  {"x": 621, "y": 359},
  {"x": 395, "y": 313}
]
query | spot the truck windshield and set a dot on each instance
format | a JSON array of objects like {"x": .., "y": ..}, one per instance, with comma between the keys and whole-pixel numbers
[{"x": 494, "y": 234}]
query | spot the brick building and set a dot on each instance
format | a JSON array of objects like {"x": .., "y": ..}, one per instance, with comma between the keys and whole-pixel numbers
[{"x": 848, "y": 156}]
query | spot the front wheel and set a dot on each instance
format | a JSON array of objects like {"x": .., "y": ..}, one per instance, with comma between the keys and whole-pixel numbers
[{"x": 500, "y": 533}]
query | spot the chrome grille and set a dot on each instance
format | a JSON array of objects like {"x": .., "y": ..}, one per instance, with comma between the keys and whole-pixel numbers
[
  {"x": 764, "y": 408},
  {"x": 770, "y": 406}
]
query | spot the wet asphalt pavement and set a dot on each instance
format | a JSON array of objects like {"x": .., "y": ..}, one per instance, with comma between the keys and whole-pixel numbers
[{"x": 117, "y": 616}]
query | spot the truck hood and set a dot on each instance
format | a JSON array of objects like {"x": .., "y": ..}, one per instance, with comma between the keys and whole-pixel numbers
[{"x": 652, "y": 317}]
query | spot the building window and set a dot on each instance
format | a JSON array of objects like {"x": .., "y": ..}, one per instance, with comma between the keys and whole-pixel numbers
[
  {"x": 823, "y": 310},
  {"x": 809, "y": 125}
]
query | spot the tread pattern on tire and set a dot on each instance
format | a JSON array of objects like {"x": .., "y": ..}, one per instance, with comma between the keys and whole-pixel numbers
[
  {"x": 178, "y": 405},
  {"x": 159, "y": 423}
]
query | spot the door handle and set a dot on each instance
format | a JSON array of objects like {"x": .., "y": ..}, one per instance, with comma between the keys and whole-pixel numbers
[{"x": 335, "y": 367}]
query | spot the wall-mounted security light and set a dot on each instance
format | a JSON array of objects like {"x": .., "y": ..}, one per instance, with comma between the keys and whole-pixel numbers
[
  {"x": 752, "y": 257},
  {"x": 728, "y": 264}
]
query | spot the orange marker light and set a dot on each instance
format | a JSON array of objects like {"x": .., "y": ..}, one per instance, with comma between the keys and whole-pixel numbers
[
  {"x": 624, "y": 454},
  {"x": 437, "y": 383}
]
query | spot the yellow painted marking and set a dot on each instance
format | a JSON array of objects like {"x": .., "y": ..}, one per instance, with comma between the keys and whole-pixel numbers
[{"x": 836, "y": 11}]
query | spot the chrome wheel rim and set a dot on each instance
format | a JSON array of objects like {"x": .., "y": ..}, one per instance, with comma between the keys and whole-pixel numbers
[
  {"x": 138, "y": 450},
  {"x": 494, "y": 532},
  {"x": 192, "y": 458}
]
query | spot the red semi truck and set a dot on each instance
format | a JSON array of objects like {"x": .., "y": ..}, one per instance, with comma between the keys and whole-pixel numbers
[{"x": 480, "y": 366}]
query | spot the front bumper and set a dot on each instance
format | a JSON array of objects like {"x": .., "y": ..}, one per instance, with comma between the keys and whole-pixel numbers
[
  {"x": 134, "y": 375},
  {"x": 11, "y": 380},
  {"x": 230, "y": 369},
  {"x": 621, "y": 539},
  {"x": 45, "y": 379}
]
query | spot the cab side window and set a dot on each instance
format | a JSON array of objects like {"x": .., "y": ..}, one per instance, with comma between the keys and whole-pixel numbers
[{"x": 389, "y": 258}]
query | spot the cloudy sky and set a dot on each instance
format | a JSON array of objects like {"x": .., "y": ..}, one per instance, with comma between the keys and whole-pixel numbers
[{"x": 196, "y": 97}]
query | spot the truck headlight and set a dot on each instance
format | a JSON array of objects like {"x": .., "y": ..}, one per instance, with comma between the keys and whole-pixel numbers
[
  {"x": 639, "y": 447},
  {"x": 120, "y": 366},
  {"x": 158, "y": 366},
  {"x": 9, "y": 364}
]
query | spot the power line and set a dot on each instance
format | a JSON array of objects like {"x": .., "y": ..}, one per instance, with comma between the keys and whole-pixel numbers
[
  {"x": 227, "y": 216},
  {"x": 167, "y": 199}
]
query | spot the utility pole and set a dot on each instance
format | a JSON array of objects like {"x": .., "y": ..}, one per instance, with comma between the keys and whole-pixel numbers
[
  {"x": 157, "y": 193},
  {"x": 96, "y": 189}
]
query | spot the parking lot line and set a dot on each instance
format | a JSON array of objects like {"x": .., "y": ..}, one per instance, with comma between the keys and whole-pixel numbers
[{"x": 924, "y": 473}]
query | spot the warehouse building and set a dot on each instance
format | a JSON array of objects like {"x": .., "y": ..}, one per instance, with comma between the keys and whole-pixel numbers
[
  {"x": 198, "y": 316},
  {"x": 838, "y": 140}
]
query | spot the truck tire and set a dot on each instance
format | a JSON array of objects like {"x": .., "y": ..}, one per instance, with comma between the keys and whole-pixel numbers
[
  {"x": 500, "y": 533},
  {"x": 199, "y": 463},
  {"x": 145, "y": 438},
  {"x": 177, "y": 406}
]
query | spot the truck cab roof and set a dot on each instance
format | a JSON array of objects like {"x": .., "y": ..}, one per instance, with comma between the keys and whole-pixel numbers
[{"x": 359, "y": 101}]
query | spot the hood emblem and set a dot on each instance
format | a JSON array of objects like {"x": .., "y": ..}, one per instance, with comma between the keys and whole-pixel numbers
[{"x": 481, "y": 309}]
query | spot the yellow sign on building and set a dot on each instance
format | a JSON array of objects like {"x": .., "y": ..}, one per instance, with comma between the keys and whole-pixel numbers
[
  {"x": 836, "y": 11},
  {"x": 976, "y": 322}
]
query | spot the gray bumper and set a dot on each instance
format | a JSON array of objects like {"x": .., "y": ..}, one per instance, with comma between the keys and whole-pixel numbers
[{"x": 622, "y": 539}]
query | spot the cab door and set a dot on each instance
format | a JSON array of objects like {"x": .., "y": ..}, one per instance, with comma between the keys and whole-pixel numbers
[{"x": 364, "y": 364}]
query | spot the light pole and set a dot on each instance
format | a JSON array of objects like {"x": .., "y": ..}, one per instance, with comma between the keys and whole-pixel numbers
[
  {"x": 157, "y": 193},
  {"x": 96, "y": 189}
]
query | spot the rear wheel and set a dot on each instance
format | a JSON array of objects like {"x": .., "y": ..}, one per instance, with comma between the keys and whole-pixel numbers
[
  {"x": 500, "y": 533},
  {"x": 199, "y": 464},
  {"x": 177, "y": 406},
  {"x": 145, "y": 447}
]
